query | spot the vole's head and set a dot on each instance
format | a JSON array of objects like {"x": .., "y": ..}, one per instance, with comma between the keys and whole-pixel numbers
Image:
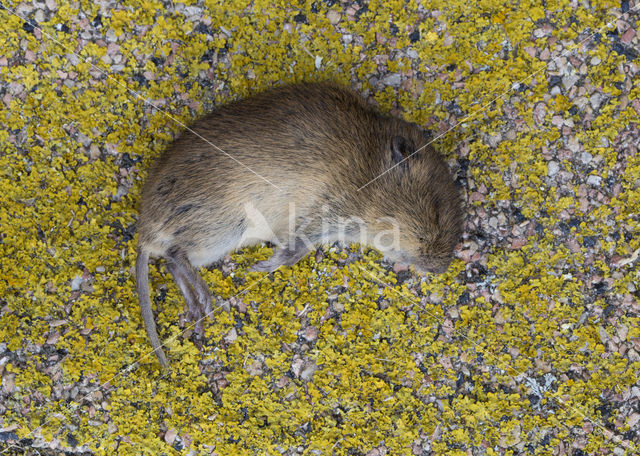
[{"x": 417, "y": 217}]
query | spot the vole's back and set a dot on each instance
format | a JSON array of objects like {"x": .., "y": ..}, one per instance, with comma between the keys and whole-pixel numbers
[{"x": 296, "y": 144}]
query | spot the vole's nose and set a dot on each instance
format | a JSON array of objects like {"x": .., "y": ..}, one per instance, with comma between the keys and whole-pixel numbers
[{"x": 433, "y": 268}]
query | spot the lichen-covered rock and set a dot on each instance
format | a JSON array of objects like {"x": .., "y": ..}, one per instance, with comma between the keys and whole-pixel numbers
[{"x": 528, "y": 344}]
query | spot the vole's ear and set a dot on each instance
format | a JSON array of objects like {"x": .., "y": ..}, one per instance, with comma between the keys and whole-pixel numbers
[{"x": 401, "y": 148}]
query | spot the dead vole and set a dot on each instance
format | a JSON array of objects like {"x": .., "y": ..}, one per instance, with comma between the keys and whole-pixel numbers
[{"x": 296, "y": 166}]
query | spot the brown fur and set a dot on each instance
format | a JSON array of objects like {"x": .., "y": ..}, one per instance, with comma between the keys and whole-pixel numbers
[{"x": 318, "y": 144}]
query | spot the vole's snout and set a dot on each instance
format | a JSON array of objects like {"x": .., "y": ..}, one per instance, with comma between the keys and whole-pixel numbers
[
  {"x": 433, "y": 268},
  {"x": 419, "y": 263},
  {"x": 439, "y": 269}
]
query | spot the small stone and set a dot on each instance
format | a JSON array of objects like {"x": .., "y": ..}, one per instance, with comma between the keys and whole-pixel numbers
[
  {"x": 393, "y": 79},
  {"x": 628, "y": 36},
  {"x": 334, "y": 17},
  {"x": 231, "y": 336},
  {"x": 75, "y": 283},
  {"x": 580, "y": 103},
  {"x": 170, "y": 436},
  {"x": 347, "y": 38},
  {"x": 296, "y": 367},
  {"x": 39, "y": 16},
  {"x": 518, "y": 243},
  {"x": 596, "y": 100},
  {"x": 308, "y": 371},
  {"x": 8, "y": 383},
  {"x": 569, "y": 81},
  {"x": 111, "y": 36},
  {"x": 552, "y": 168},
  {"x": 254, "y": 368},
  {"x": 84, "y": 139},
  {"x": 29, "y": 55},
  {"x": 508, "y": 440},
  {"x": 311, "y": 333},
  {"x": 193, "y": 12},
  {"x": 634, "y": 419},
  {"x": 594, "y": 180},
  {"x": 380, "y": 451},
  {"x": 412, "y": 54},
  {"x": 113, "y": 49},
  {"x": 539, "y": 112},
  {"x": 595, "y": 60},
  {"x": 573, "y": 145},
  {"x": 539, "y": 32},
  {"x": 494, "y": 140},
  {"x": 604, "y": 337},
  {"x": 283, "y": 381},
  {"x": 53, "y": 338},
  {"x": 585, "y": 157},
  {"x": 94, "y": 154},
  {"x": 623, "y": 331}
]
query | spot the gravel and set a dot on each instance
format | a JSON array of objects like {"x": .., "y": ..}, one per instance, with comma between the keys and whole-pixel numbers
[{"x": 530, "y": 343}]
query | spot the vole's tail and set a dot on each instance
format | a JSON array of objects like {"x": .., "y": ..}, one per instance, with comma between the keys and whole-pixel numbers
[{"x": 142, "y": 285}]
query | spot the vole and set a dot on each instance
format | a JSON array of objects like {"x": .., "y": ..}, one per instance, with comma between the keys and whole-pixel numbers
[{"x": 297, "y": 165}]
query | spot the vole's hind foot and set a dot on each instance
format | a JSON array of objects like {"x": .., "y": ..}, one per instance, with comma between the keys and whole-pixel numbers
[
  {"x": 192, "y": 286},
  {"x": 284, "y": 256},
  {"x": 197, "y": 310},
  {"x": 203, "y": 298},
  {"x": 198, "y": 328}
]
